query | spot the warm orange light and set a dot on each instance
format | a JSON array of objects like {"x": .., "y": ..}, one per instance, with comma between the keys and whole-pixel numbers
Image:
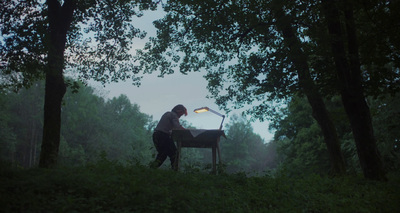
[
  {"x": 205, "y": 109},
  {"x": 202, "y": 109}
]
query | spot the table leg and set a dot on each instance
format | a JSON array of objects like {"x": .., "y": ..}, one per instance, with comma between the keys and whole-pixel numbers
[
  {"x": 219, "y": 155},
  {"x": 178, "y": 155},
  {"x": 214, "y": 160}
]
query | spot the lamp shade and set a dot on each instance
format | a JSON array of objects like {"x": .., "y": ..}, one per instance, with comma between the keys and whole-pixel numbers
[{"x": 202, "y": 109}]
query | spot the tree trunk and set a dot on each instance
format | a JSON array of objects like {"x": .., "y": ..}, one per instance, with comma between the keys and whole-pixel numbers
[
  {"x": 54, "y": 92},
  {"x": 60, "y": 18},
  {"x": 320, "y": 113},
  {"x": 353, "y": 98},
  {"x": 32, "y": 144}
]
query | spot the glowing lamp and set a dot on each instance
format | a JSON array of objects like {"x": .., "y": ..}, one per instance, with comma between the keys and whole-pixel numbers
[{"x": 205, "y": 109}]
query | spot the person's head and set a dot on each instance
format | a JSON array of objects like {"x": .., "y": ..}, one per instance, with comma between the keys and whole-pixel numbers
[{"x": 180, "y": 110}]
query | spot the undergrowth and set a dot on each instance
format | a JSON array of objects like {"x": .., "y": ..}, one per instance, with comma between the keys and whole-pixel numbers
[{"x": 112, "y": 187}]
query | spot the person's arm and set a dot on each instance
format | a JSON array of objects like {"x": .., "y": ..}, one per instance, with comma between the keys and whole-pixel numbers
[{"x": 176, "y": 123}]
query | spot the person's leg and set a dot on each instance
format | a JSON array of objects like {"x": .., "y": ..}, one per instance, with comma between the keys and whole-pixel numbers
[
  {"x": 171, "y": 152},
  {"x": 160, "y": 141}
]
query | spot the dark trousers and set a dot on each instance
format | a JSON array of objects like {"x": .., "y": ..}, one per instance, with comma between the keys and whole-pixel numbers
[{"x": 165, "y": 147}]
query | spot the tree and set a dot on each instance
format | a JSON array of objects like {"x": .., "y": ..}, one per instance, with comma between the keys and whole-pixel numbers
[
  {"x": 25, "y": 109},
  {"x": 243, "y": 150},
  {"x": 8, "y": 138},
  {"x": 300, "y": 61},
  {"x": 300, "y": 139},
  {"x": 349, "y": 72},
  {"x": 42, "y": 39},
  {"x": 114, "y": 127},
  {"x": 82, "y": 127},
  {"x": 126, "y": 133},
  {"x": 386, "y": 121},
  {"x": 235, "y": 148}
]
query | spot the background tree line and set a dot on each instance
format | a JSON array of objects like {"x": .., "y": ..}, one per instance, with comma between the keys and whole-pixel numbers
[
  {"x": 115, "y": 128},
  {"x": 90, "y": 125}
]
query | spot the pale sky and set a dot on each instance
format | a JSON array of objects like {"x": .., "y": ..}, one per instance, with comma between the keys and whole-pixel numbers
[{"x": 157, "y": 95}]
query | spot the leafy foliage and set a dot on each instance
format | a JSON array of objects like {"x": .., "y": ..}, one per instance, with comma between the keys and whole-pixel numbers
[
  {"x": 90, "y": 125},
  {"x": 115, "y": 126},
  {"x": 22, "y": 43},
  {"x": 386, "y": 121},
  {"x": 299, "y": 139},
  {"x": 245, "y": 151},
  {"x": 240, "y": 46},
  {"x": 8, "y": 138},
  {"x": 25, "y": 112},
  {"x": 98, "y": 42}
]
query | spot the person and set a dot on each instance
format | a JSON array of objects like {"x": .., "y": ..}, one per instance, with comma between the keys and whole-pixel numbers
[{"x": 162, "y": 139}]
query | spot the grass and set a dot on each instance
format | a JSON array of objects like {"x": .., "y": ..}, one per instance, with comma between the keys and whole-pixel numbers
[{"x": 110, "y": 187}]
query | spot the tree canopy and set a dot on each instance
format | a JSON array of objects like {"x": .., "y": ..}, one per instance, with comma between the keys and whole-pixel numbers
[
  {"x": 240, "y": 46},
  {"x": 98, "y": 40}
]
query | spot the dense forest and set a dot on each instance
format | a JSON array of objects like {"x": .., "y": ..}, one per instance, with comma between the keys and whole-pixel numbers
[
  {"x": 93, "y": 126},
  {"x": 116, "y": 129}
]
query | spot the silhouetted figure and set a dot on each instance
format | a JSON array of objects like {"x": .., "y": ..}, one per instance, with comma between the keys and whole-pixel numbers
[{"x": 162, "y": 136}]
